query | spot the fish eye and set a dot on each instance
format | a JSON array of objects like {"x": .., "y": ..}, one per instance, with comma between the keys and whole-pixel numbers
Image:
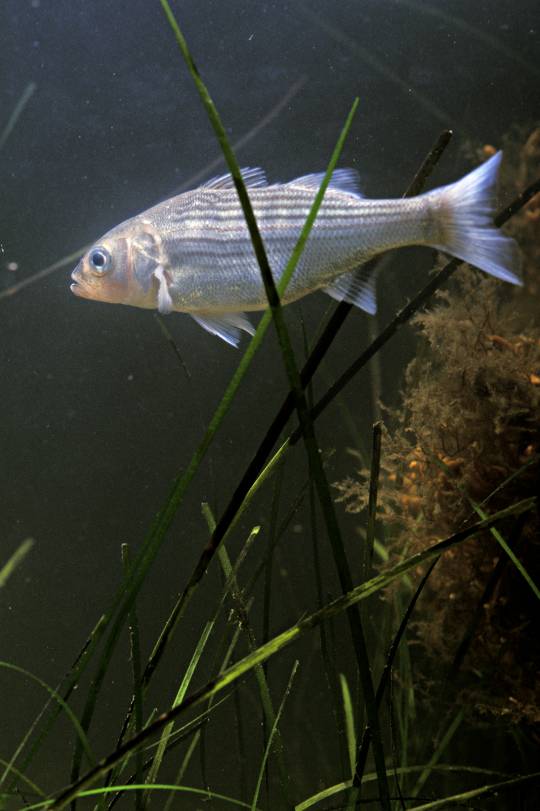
[{"x": 100, "y": 260}]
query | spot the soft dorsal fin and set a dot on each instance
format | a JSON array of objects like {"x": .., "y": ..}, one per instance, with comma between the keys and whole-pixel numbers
[
  {"x": 346, "y": 180},
  {"x": 356, "y": 287},
  {"x": 225, "y": 325},
  {"x": 252, "y": 177}
]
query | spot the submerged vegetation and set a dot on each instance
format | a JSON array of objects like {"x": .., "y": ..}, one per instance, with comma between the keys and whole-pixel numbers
[
  {"x": 455, "y": 486},
  {"x": 471, "y": 421}
]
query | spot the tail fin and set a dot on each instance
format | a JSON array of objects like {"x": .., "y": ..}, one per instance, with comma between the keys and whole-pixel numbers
[{"x": 465, "y": 213}]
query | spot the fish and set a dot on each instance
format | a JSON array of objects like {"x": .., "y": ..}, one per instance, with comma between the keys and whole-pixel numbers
[{"x": 193, "y": 254}]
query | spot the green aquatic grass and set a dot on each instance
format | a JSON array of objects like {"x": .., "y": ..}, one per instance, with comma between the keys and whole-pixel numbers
[
  {"x": 482, "y": 513},
  {"x": 17, "y": 111},
  {"x": 141, "y": 565},
  {"x": 268, "y": 712},
  {"x": 131, "y": 751},
  {"x": 373, "y": 492},
  {"x": 135, "y": 657},
  {"x": 22, "y": 779},
  {"x": 273, "y": 731},
  {"x": 180, "y": 695},
  {"x": 15, "y": 561},
  {"x": 285, "y": 443},
  {"x": 63, "y": 706},
  {"x": 278, "y": 643},
  {"x": 442, "y": 768},
  {"x": 438, "y": 752}
]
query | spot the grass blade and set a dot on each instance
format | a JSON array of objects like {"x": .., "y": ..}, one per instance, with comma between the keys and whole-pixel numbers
[
  {"x": 168, "y": 730},
  {"x": 62, "y": 705},
  {"x": 373, "y": 490},
  {"x": 24, "y": 98},
  {"x": 484, "y": 791},
  {"x": 284, "y": 639},
  {"x": 269, "y": 743},
  {"x": 15, "y": 560},
  {"x": 437, "y": 754}
]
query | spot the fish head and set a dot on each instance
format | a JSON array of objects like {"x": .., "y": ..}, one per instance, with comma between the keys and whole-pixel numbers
[{"x": 118, "y": 269}]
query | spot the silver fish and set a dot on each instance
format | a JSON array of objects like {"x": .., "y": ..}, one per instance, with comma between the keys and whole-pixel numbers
[{"x": 192, "y": 253}]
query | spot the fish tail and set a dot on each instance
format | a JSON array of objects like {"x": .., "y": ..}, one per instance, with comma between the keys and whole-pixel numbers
[{"x": 465, "y": 227}]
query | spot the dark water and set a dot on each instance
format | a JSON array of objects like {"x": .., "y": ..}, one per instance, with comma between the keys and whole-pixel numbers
[{"x": 97, "y": 416}]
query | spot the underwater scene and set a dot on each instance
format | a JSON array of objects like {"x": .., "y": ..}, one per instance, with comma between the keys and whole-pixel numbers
[{"x": 270, "y": 405}]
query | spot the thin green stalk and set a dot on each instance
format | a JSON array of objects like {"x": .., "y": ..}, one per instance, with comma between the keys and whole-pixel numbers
[
  {"x": 479, "y": 611},
  {"x": 164, "y": 519},
  {"x": 180, "y": 695},
  {"x": 350, "y": 734},
  {"x": 15, "y": 560},
  {"x": 85, "y": 744},
  {"x": 293, "y": 374},
  {"x": 19, "y": 776},
  {"x": 322, "y": 345},
  {"x": 306, "y": 424},
  {"x": 281, "y": 641},
  {"x": 269, "y": 714},
  {"x": 188, "y": 183},
  {"x": 350, "y": 726},
  {"x": 464, "y": 797},
  {"x": 443, "y": 768},
  {"x": 257, "y": 471},
  {"x": 23, "y": 100},
  {"x": 384, "y": 680},
  {"x": 439, "y": 751},
  {"x": 329, "y": 660},
  {"x": 494, "y": 531},
  {"x": 67, "y": 686},
  {"x": 135, "y": 656},
  {"x": 272, "y": 539},
  {"x": 205, "y": 794},
  {"x": 373, "y": 490},
  {"x": 269, "y": 743},
  {"x": 172, "y": 343},
  {"x": 411, "y": 308}
]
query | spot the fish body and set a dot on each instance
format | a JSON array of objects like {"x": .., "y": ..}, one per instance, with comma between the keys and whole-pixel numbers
[{"x": 193, "y": 254}]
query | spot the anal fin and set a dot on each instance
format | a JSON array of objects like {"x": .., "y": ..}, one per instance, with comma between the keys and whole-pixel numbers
[
  {"x": 356, "y": 287},
  {"x": 226, "y": 326}
]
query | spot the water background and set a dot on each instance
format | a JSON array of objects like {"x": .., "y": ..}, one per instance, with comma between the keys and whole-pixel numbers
[{"x": 96, "y": 415}]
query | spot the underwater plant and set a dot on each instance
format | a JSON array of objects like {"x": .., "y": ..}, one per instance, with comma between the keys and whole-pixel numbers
[
  {"x": 220, "y": 663},
  {"x": 467, "y": 441}
]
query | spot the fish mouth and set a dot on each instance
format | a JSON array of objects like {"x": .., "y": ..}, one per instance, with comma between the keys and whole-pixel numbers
[{"x": 77, "y": 285}]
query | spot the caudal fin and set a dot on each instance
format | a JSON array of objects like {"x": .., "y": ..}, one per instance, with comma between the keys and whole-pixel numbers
[{"x": 465, "y": 218}]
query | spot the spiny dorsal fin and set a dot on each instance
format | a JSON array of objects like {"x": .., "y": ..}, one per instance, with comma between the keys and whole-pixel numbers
[
  {"x": 252, "y": 177},
  {"x": 346, "y": 180}
]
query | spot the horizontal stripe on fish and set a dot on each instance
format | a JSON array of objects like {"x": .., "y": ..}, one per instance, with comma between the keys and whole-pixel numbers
[{"x": 193, "y": 253}]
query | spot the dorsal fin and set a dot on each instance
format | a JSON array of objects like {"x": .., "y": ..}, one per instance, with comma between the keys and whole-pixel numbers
[
  {"x": 252, "y": 177},
  {"x": 345, "y": 180}
]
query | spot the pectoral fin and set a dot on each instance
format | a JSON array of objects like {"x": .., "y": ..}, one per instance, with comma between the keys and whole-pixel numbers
[
  {"x": 165, "y": 302},
  {"x": 356, "y": 288},
  {"x": 225, "y": 325}
]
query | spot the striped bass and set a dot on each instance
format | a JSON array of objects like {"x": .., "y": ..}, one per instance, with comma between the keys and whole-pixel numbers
[{"x": 193, "y": 254}]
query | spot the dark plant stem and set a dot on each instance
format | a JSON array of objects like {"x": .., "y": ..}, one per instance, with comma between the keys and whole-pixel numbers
[
  {"x": 277, "y": 644},
  {"x": 479, "y": 611},
  {"x": 384, "y": 681},
  {"x": 373, "y": 491},
  {"x": 321, "y": 348}
]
